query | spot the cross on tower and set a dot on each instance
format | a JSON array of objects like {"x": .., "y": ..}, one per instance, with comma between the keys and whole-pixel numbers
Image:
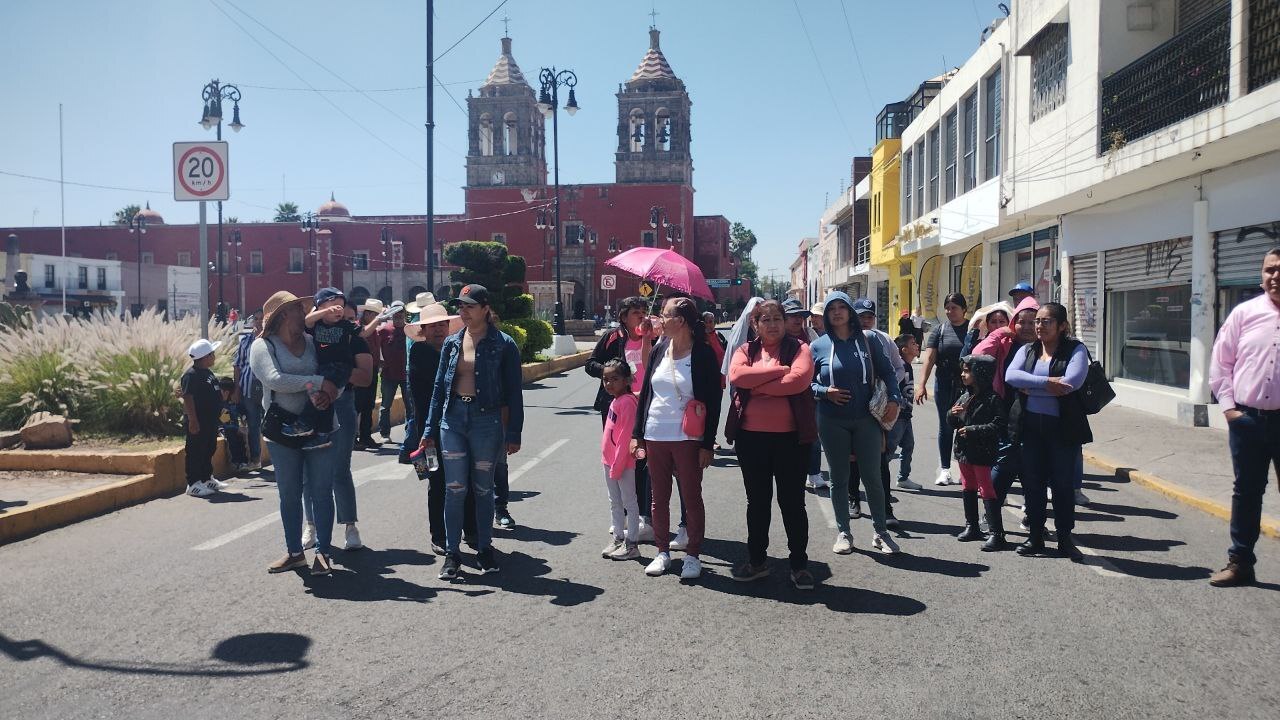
[
  {"x": 653, "y": 15},
  {"x": 506, "y": 26}
]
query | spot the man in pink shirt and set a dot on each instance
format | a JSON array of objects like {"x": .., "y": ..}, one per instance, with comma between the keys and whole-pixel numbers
[{"x": 1245, "y": 376}]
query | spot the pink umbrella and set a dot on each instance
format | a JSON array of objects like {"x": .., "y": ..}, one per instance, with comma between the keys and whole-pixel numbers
[{"x": 665, "y": 267}]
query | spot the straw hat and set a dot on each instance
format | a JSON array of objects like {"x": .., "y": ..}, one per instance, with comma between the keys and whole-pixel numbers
[
  {"x": 420, "y": 302},
  {"x": 276, "y": 303},
  {"x": 373, "y": 305},
  {"x": 431, "y": 314}
]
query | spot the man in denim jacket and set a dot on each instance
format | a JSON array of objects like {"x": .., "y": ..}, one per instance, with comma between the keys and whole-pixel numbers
[{"x": 478, "y": 407}]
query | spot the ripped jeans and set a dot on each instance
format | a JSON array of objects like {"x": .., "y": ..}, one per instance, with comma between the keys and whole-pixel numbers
[{"x": 471, "y": 446}]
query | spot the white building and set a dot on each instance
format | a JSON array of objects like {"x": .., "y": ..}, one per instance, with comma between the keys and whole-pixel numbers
[{"x": 91, "y": 285}]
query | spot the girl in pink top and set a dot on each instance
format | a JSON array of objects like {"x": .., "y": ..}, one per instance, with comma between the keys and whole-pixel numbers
[{"x": 619, "y": 463}]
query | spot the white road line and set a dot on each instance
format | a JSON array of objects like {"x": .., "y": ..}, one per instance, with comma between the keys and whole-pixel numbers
[
  {"x": 1102, "y": 566},
  {"x": 389, "y": 470},
  {"x": 515, "y": 474},
  {"x": 824, "y": 504}
]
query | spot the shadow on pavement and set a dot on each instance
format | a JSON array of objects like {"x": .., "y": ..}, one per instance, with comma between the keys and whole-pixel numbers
[
  {"x": 237, "y": 656},
  {"x": 920, "y": 563},
  {"x": 6, "y": 504},
  {"x": 837, "y": 598},
  {"x": 1156, "y": 570},
  {"x": 370, "y": 575},
  {"x": 519, "y": 495},
  {"x": 525, "y": 533},
  {"x": 1124, "y": 543},
  {"x": 927, "y": 528},
  {"x": 230, "y": 497},
  {"x": 1131, "y": 510},
  {"x": 526, "y": 575}
]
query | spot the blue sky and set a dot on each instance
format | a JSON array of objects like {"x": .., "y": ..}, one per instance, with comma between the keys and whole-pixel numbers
[{"x": 770, "y": 142}]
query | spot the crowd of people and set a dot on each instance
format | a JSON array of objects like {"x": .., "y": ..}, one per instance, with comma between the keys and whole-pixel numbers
[{"x": 804, "y": 383}]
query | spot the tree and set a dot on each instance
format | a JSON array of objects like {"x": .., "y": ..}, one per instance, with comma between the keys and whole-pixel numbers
[
  {"x": 232, "y": 219},
  {"x": 125, "y": 214},
  {"x": 489, "y": 264},
  {"x": 287, "y": 212},
  {"x": 741, "y": 242}
]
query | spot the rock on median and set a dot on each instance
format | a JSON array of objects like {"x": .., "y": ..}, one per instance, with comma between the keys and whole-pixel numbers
[{"x": 46, "y": 431}]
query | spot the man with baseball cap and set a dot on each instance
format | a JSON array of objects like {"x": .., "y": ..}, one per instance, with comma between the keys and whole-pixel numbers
[
  {"x": 394, "y": 349},
  {"x": 1020, "y": 292},
  {"x": 796, "y": 317},
  {"x": 367, "y": 397},
  {"x": 201, "y": 405}
]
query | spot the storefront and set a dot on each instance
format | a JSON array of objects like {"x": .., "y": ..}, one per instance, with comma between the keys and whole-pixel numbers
[
  {"x": 1032, "y": 258},
  {"x": 1148, "y": 312},
  {"x": 1237, "y": 255},
  {"x": 1085, "y": 306}
]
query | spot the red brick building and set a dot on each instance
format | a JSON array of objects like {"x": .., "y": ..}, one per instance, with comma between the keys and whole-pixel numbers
[{"x": 507, "y": 193}]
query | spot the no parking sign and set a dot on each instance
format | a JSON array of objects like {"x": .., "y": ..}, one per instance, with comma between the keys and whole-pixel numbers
[{"x": 200, "y": 171}]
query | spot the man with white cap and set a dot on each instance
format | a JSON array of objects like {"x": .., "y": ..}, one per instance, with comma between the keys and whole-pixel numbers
[
  {"x": 391, "y": 342},
  {"x": 201, "y": 404}
]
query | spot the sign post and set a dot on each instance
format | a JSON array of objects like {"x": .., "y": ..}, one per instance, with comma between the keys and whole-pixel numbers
[
  {"x": 200, "y": 175},
  {"x": 608, "y": 283}
]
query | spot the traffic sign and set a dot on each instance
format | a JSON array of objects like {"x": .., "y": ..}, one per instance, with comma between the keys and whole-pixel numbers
[
  {"x": 646, "y": 289},
  {"x": 608, "y": 282},
  {"x": 719, "y": 282},
  {"x": 200, "y": 171}
]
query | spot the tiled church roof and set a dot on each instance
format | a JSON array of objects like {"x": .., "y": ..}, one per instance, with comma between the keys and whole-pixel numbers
[
  {"x": 505, "y": 71},
  {"x": 654, "y": 66}
]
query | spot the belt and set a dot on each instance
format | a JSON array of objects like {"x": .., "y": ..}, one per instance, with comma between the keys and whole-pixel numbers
[
  {"x": 1258, "y": 413},
  {"x": 464, "y": 398}
]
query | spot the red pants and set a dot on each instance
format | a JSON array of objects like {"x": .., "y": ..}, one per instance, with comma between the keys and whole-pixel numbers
[
  {"x": 977, "y": 477},
  {"x": 680, "y": 458}
]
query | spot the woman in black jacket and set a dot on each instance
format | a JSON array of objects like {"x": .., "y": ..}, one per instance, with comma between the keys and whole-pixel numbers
[
  {"x": 979, "y": 418},
  {"x": 676, "y": 426}
]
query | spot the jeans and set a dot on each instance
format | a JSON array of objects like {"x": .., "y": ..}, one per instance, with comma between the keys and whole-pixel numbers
[
  {"x": 1048, "y": 461},
  {"x": 842, "y": 437},
  {"x": 1254, "y": 439},
  {"x": 765, "y": 459},
  {"x": 944, "y": 396},
  {"x": 903, "y": 437},
  {"x": 435, "y": 510},
  {"x": 1007, "y": 468},
  {"x": 413, "y": 425},
  {"x": 199, "y": 454},
  {"x": 389, "y": 388},
  {"x": 676, "y": 463},
  {"x": 471, "y": 441},
  {"x": 235, "y": 443},
  {"x": 815, "y": 458},
  {"x": 253, "y": 423},
  {"x": 366, "y": 398},
  {"x": 344, "y": 488},
  {"x": 622, "y": 505},
  {"x": 295, "y": 470},
  {"x": 501, "y": 481}
]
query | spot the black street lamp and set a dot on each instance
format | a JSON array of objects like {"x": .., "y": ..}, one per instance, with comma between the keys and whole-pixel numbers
[
  {"x": 138, "y": 228},
  {"x": 548, "y": 100},
  {"x": 213, "y": 94},
  {"x": 235, "y": 242},
  {"x": 386, "y": 257},
  {"x": 309, "y": 223},
  {"x": 658, "y": 216}
]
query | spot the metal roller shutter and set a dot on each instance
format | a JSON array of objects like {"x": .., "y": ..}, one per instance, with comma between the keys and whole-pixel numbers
[
  {"x": 1157, "y": 264},
  {"x": 1084, "y": 295},
  {"x": 1238, "y": 253}
]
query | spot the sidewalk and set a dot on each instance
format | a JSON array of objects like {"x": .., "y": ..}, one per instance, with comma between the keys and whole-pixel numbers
[{"x": 1191, "y": 465}]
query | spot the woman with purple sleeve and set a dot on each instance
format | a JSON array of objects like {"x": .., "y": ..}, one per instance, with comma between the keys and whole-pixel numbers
[{"x": 1048, "y": 375}]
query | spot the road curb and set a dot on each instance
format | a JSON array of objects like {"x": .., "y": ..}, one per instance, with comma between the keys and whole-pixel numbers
[
  {"x": 24, "y": 522},
  {"x": 1173, "y": 491}
]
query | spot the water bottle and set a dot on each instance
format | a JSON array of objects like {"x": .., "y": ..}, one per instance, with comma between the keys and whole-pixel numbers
[{"x": 424, "y": 461}]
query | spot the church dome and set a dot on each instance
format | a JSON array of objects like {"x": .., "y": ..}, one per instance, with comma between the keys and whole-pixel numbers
[
  {"x": 654, "y": 72},
  {"x": 150, "y": 216},
  {"x": 333, "y": 209}
]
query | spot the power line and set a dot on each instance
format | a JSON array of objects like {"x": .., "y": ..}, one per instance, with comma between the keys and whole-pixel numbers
[
  {"x": 451, "y": 97},
  {"x": 357, "y": 90},
  {"x": 86, "y": 185},
  {"x": 823, "y": 73},
  {"x": 856, "y": 55},
  {"x": 464, "y": 37}
]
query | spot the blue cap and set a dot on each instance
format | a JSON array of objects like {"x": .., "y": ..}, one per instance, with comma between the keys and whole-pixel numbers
[
  {"x": 1023, "y": 287},
  {"x": 324, "y": 295},
  {"x": 863, "y": 305},
  {"x": 792, "y": 306}
]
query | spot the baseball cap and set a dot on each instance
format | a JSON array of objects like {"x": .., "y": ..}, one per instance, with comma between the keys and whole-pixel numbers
[
  {"x": 1022, "y": 287},
  {"x": 202, "y": 348},
  {"x": 863, "y": 306},
  {"x": 474, "y": 295},
  {"x": 792, "y": 306},
  {"x": 324, "y": 295},
  {"x": 816, "y": 309}
]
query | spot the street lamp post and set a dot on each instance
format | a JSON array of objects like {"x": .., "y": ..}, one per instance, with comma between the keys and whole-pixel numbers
[
  {"x": 235, "y": 242},
  {"x": 213, "y": 94},
  {"x": 138, "y": 228},
  {"x": 386, "y": 258},
  {"x": 548, "y": 102},
  {"x": 309, "y": 223}
]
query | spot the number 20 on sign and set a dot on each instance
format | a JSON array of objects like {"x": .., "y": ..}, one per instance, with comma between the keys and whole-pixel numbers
[{"x": 200, "y": 171}]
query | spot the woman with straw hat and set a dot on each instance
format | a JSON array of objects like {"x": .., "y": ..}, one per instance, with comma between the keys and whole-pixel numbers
[{"x": 283, "y": 359}]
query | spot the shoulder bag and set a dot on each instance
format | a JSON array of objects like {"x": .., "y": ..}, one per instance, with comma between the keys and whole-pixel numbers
[
  {"x": 276, "y": 417},
  {"x": 1096, "y": 391},
  {"x": 878, "y": 405},
  {"x": 694, "y": 422}
]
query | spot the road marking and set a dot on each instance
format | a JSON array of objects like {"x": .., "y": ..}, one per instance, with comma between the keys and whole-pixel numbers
[
  {"x": 515, "y": 474},
  {"x": 1102, "y": 566},
  {"x": 389, "y": 470},
  {"x": 824, "y": 504}
]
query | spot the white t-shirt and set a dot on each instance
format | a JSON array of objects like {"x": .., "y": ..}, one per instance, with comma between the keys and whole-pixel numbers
[{"x": 666, "y": 409}]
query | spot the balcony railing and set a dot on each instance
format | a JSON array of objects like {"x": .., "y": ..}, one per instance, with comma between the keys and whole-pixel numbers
[
  {"x": 1264, "y": 43},
  {"x": 1183, "y": 77}
]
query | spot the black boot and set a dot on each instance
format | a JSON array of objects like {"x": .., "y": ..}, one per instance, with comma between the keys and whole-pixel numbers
[
  {"x": 1067, "y": 548},
  {"x": 995, "y": 540},
  {"x": 1034, "y": 544},
  {"x": 971, "y": 530}
]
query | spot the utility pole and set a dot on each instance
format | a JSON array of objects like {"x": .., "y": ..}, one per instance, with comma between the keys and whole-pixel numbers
[{"x": 431, "y": 129}]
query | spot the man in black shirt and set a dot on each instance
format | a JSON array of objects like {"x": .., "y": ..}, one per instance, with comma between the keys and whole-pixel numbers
[{"x": 202, "y": 405}]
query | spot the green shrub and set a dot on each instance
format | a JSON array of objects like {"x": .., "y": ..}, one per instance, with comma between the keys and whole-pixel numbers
[
  {"x": 540, "y": 336},
  {"x": 520, "y": 306},
  {"x": 517, "y": 334}
]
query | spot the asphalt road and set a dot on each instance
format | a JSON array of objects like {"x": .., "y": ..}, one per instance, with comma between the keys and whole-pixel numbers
[{"x": 165, "y": 610}]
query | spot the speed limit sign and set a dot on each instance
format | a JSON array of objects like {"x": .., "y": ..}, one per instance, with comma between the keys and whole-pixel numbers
[{"x": 200, "y": 171}]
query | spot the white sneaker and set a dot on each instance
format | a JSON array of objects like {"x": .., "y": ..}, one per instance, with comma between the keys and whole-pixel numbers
[
  {"x": 611, "y": 532},
  {"x": 844, "y": 544},
  {"x": 646, "y": 532},
  {"x": 1081, "y": 498},
  {"x": 816, "y": 482},
  {"x": 353, "y": 538},
  {"x": 1048, "y": 494},
  {"x": 692, "y": 569},
  {"x": 217, "y": 484},
  {"x": 659, "y": 565},
  {"x": 681, "y": 540},
  {"x": 944, "y": 477},
  {"x": 200, "y": 489},
  {"x": 308, "y": 536},
  {"x": 905, "y": 484},
  {"x": 885, "y": 544},
  {"x": 612, "y": 547}
]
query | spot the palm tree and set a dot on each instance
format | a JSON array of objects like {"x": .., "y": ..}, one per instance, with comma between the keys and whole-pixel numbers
[
  {"x": 125, "y": 214},
  {"x": 287, "y": 212}
]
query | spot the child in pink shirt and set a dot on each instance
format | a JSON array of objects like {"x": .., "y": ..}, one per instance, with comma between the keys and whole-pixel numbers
[{"x": 619, "y": 464}]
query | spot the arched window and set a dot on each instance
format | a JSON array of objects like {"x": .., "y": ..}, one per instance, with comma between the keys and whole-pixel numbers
[
  {"x": 359, "y": 294},
  {"x": 486, "y": 135},
  {"x": 385, "y": 294},
  {"x": 509, "y": 140},
  {"x": 637, "y": 131},
  {"x": 664, "y": 130}
]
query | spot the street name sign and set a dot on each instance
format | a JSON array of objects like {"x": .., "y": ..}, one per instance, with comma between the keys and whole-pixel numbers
[
  {"x": 200, "y": 171},
  {"x": 719, "y": 282}
]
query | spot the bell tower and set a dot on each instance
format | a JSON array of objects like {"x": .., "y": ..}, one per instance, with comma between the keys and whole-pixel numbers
[
  {"x": 653, "y": 123},
  {"x": 506, "y": 138}
]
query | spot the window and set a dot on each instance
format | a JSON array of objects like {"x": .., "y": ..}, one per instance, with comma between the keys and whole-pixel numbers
[
  {"x": 664, "y": 130},
  {"x": 509, "y": 134},
  {"x": 500, "y": 238},
  {"x": 907, "y": 182},
  {"x": 573, "y": 234},
  {"x": 50, "y": 276},
  {"x": 969, "y": 141},
  {"x": 1049, "y": 71},
  {"x": 255, "y": 261},
  {"x": 648, "y": 238},
  {"x": 486, "y": 135},
  {"x": 148, "y": 258},
  {"x": 919, "y": 153},
  {"x": 1150, "y": 334},
  {"x": 102, "y": 278},
  {"x": 360, "y": 260},
  {"x": 636, "y": 130},
  {"x": 295, "y": 260},
  {"x": 935, "y": 149},
  {"x": 992, "y": 108},
  {"x": 950, "y": 126},
  {"x": 184, "y": 258},
  {"x": 82, "y": 277}
]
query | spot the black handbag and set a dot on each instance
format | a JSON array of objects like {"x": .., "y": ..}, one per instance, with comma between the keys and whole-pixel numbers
[
  {"x": 1096, "y": 392},
  {"x": 276, "y": 417}
]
